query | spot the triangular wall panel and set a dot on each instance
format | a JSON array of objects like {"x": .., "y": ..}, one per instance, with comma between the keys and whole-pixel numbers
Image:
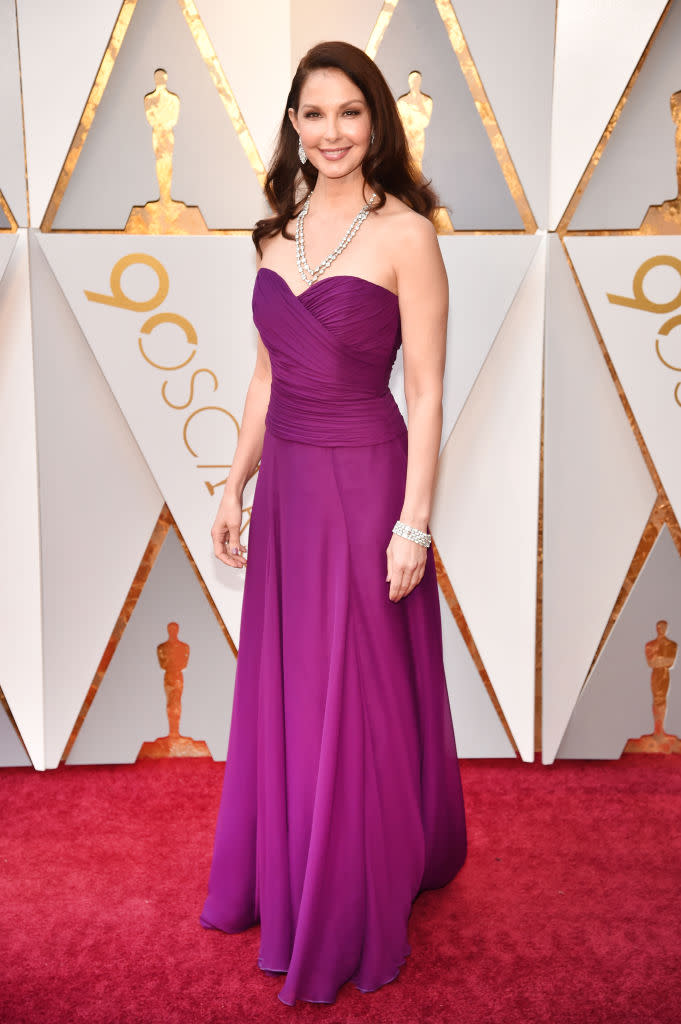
[
  {"x": 21, "y": 676},
  {"x": 484, "y": 274},
  {"x": 477, "y": 728},
  {"x": 598, "y": 494},
  {"x": 486, "y": 504},
  {"x": 512, "y": 46},
  {"x": 597, "y": 48},
  {"x": 78, "y": 34},
  {"x": 98, "y": 504},
  {"x": 129, "y": 708},
  {"x": 616, "y": 702},
  {"x": 12, "y": 172}
]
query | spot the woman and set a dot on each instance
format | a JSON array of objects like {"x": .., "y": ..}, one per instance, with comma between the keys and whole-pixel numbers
[{"x": 342, "y": 797}]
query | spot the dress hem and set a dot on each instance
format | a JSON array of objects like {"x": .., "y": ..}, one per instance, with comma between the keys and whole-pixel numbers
[{"x": 331, "y": 1002}]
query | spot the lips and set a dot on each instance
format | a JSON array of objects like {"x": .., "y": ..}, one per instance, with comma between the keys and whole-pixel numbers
[{"x": 334, "y": 154}]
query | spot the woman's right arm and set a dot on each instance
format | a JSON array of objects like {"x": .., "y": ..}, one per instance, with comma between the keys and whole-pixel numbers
[{"x": 227, "y": 526}]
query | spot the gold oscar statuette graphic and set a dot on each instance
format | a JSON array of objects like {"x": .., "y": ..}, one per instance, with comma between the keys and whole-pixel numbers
[
  {"x": 173, "y": 656},
  {"x": 416, "y": 109},
  {"x": 661, "y": 656},
  {"x": 665, "y": 219},
  {"x": 165, "y": 216}
]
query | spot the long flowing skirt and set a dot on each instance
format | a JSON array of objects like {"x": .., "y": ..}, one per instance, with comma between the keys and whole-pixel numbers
[{"x": 342, "y": 797}]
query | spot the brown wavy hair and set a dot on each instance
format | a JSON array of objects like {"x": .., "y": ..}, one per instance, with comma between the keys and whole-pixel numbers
[{"x": 387, "y": 166}]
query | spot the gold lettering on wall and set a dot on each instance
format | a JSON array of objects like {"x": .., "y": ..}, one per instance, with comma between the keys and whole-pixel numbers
[
  {"x": 164, "y": 216},
  {"x": 173, "y": 657},
  {"x": 119, "y": 298},
  {"x": 661, "y": 657},
  {"x": 639, "y": 300},
  {"x": 169, "y": 318}
]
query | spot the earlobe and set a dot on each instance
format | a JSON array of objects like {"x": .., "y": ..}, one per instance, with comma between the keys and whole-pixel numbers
[{"x": 293, "y": 118}]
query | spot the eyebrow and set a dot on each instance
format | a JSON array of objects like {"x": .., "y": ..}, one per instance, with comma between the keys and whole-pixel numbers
[{"x": 347, "y": 103}]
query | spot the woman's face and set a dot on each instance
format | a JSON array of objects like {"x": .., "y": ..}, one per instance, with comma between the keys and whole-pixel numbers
[{"x": 333, "y": 122}]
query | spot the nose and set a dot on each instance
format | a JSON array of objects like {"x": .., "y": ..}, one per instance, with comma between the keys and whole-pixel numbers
[{"x": 332, "y": 132}]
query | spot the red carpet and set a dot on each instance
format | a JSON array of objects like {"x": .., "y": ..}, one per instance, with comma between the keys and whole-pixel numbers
[{"x": 566, "y": 911}]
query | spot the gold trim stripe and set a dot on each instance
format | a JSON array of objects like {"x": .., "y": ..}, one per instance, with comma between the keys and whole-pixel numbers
[
  {"x": 207, "y": 51},
  {"x": 96, "y": 93},
  {"x": 484, "y": 108},
  {"x": 378, "y": 31}
]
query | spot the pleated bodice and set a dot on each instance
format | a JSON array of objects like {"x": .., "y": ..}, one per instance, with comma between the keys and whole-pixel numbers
[{"x": 331, "y": 349}]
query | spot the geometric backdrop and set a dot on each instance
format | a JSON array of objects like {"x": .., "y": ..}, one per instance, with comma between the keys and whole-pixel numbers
[{"x": 127, "y": 344}]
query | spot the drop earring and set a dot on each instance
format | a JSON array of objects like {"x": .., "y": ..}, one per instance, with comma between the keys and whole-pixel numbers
[
  {"x": 302, "y": 155},
  {"x": 372, "y": 137}
]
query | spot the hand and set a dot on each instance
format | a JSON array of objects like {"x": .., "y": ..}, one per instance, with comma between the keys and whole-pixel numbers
[
  {"x": 406, "y": 565},
  {"x": 226, "y": 532}
]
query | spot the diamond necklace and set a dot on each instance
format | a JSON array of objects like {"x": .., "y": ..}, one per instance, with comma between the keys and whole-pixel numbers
[{"x": 308, "y": 275}]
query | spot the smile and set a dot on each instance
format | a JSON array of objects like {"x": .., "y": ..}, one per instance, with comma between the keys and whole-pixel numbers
[{"x": 334, "y": 154}]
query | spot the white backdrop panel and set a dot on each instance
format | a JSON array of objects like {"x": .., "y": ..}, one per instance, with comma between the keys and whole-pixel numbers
[
  {"x": 598, "y": 44},
  {"x": 638, "y": 165},
  {"x": 484, "y": 273},
  {"x": 477, "y": 728},
  {"x": 12, "y": 176},
  {"x": 78, "y": 34},
  {"x": 486, "y": 503},
  {"x": 597, "y": 498},
  {"x": 512, "y": 46},
  {"x": 12, "y": 753},
  {"x": 312, "y": 22},
  {"x": 98, "y": 503},
  {"x": 246, "y": 37},
  {"x": 7, "y": 243},
  {"x": 607, "y": 265},
  {"x": 20, "y": 611},
  {"x": 210, "y": 285}
]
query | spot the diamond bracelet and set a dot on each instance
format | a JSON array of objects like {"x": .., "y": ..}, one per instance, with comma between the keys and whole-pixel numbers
[{"x": 411, "y": 533}]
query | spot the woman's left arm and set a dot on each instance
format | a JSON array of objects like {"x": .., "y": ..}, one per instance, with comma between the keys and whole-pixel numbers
[{"x": 423, "y": 294}]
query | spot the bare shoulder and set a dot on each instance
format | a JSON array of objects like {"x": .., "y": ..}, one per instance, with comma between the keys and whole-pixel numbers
[
  {"x": 409, "y": 235},
  {"x": 405, "y": 224},
  {"x": 415, "y": 251}
]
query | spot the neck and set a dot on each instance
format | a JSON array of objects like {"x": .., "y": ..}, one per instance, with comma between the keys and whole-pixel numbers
[{"x": 336, "y": 195}]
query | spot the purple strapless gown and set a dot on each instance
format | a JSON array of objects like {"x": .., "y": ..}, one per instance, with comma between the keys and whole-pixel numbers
[{"x": 342, "y": 796}]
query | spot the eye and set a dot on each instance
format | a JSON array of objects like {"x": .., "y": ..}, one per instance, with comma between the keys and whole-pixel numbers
[
  {"x": 353, "y": 113},
  {"x": 312, "y": 113}
]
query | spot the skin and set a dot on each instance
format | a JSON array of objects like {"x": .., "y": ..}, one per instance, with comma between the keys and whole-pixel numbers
[{"x": 396, "y": 248}]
